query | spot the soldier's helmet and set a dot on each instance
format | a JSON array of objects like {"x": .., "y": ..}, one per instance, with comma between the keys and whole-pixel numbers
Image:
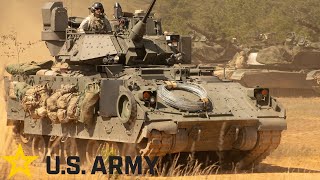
[{"x": 96, "y": 6}]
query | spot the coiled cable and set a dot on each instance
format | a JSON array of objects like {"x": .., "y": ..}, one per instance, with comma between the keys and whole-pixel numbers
[{"x": 182, "y": 103}]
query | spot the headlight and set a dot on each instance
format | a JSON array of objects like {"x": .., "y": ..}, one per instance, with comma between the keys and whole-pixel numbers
[
  {"x": 149, "y": 98},
  {"x": 116, "y": 58},
  {"x": 262, "y": 96},
  {"x": 152, "y": 100},
  {"x": 146, "y": 95},
  {"x": 261, "y": 92}
]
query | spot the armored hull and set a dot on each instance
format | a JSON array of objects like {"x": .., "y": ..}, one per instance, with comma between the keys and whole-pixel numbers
[
  {"x": 290, "y": 83},
  {"x": 235, "y": 121}
]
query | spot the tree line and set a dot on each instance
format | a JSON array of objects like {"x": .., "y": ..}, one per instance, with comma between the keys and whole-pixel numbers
[{"x": 242, "y": 19}]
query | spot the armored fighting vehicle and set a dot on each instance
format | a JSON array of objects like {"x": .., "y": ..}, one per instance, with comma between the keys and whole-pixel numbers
[
  {"x": 134, "y": 91},
  {"x": 207, "y": 48},
  {"x": 289, "y": 69}
]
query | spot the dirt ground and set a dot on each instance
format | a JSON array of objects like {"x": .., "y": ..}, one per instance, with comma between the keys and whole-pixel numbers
[{"x": 297, "y": 157}]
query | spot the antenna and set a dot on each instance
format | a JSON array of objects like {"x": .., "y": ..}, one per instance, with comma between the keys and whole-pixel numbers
[
  {"x": 70, "y": 7},
  {"x": 17, "y": 46},
  {"x": 127, "y": 2}
]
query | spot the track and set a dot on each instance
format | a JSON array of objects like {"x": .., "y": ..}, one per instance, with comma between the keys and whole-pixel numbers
[
  {"x": 18, "y": 137},
  {"x": 159, "y": 144},
  {"x": 268, "y": 141}
]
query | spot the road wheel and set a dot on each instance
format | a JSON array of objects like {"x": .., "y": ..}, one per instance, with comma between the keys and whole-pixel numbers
[
  {"x": 70, "y": 148},
  {"x": 21, "y": 138},
  {"x": 39, "y": 148},
  {"x": 54, "y": 148},
  {"x": 94, "y": 149}
]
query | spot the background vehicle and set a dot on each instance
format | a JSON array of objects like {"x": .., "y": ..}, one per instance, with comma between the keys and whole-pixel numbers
[{"x": 291, "y": 69}]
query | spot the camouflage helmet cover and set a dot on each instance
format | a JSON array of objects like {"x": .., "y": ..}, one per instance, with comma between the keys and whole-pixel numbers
[{"x": 95, "y": 6}]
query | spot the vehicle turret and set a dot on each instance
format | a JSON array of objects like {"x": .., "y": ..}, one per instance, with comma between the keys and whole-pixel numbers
[
  {"x": 138, "y": 31},
  {"x": 136, "y": 40}
]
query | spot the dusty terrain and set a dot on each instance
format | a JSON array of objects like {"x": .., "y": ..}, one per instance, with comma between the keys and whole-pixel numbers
[{"x": 298, "y": 156}]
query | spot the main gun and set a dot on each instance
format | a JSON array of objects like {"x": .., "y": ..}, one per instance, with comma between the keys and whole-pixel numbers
[{"x": 138, "y": 30}]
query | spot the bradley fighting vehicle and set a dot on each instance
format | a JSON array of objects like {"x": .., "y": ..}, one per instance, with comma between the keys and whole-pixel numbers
[{"x": 134, "y": 90}]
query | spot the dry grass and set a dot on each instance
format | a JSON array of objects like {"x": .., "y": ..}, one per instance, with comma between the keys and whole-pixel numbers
[
  {"x": 299, "y": 148},
  {"x": 193, "y": 167}
]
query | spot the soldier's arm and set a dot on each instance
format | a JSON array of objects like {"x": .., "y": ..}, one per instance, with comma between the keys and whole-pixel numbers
[
  {"x": 84, "y": 26},
  {"x": 108, "y": 25}
]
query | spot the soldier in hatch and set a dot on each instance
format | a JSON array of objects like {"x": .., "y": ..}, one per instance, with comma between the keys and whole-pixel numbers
[{"x": 97, "y": 22}]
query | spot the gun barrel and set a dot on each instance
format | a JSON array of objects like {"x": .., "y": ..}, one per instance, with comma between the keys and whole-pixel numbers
[
  {"x": 139, "y": 29},
  {"x": 144, "y": 20}
]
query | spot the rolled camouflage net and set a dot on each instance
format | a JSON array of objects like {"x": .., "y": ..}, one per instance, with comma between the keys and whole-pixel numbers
[
  {"x": 34, "y": 101},
  {"x": 19, "y": 89},
  {"x": 65, "y": 105},
  {"x": 30, "y": 68},
  {"x": 59, "y": 102},
  {"x": 88, "y": 101}
]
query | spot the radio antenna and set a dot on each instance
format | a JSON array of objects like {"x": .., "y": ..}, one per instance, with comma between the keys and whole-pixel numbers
[{"x": 70, "y": 7}]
